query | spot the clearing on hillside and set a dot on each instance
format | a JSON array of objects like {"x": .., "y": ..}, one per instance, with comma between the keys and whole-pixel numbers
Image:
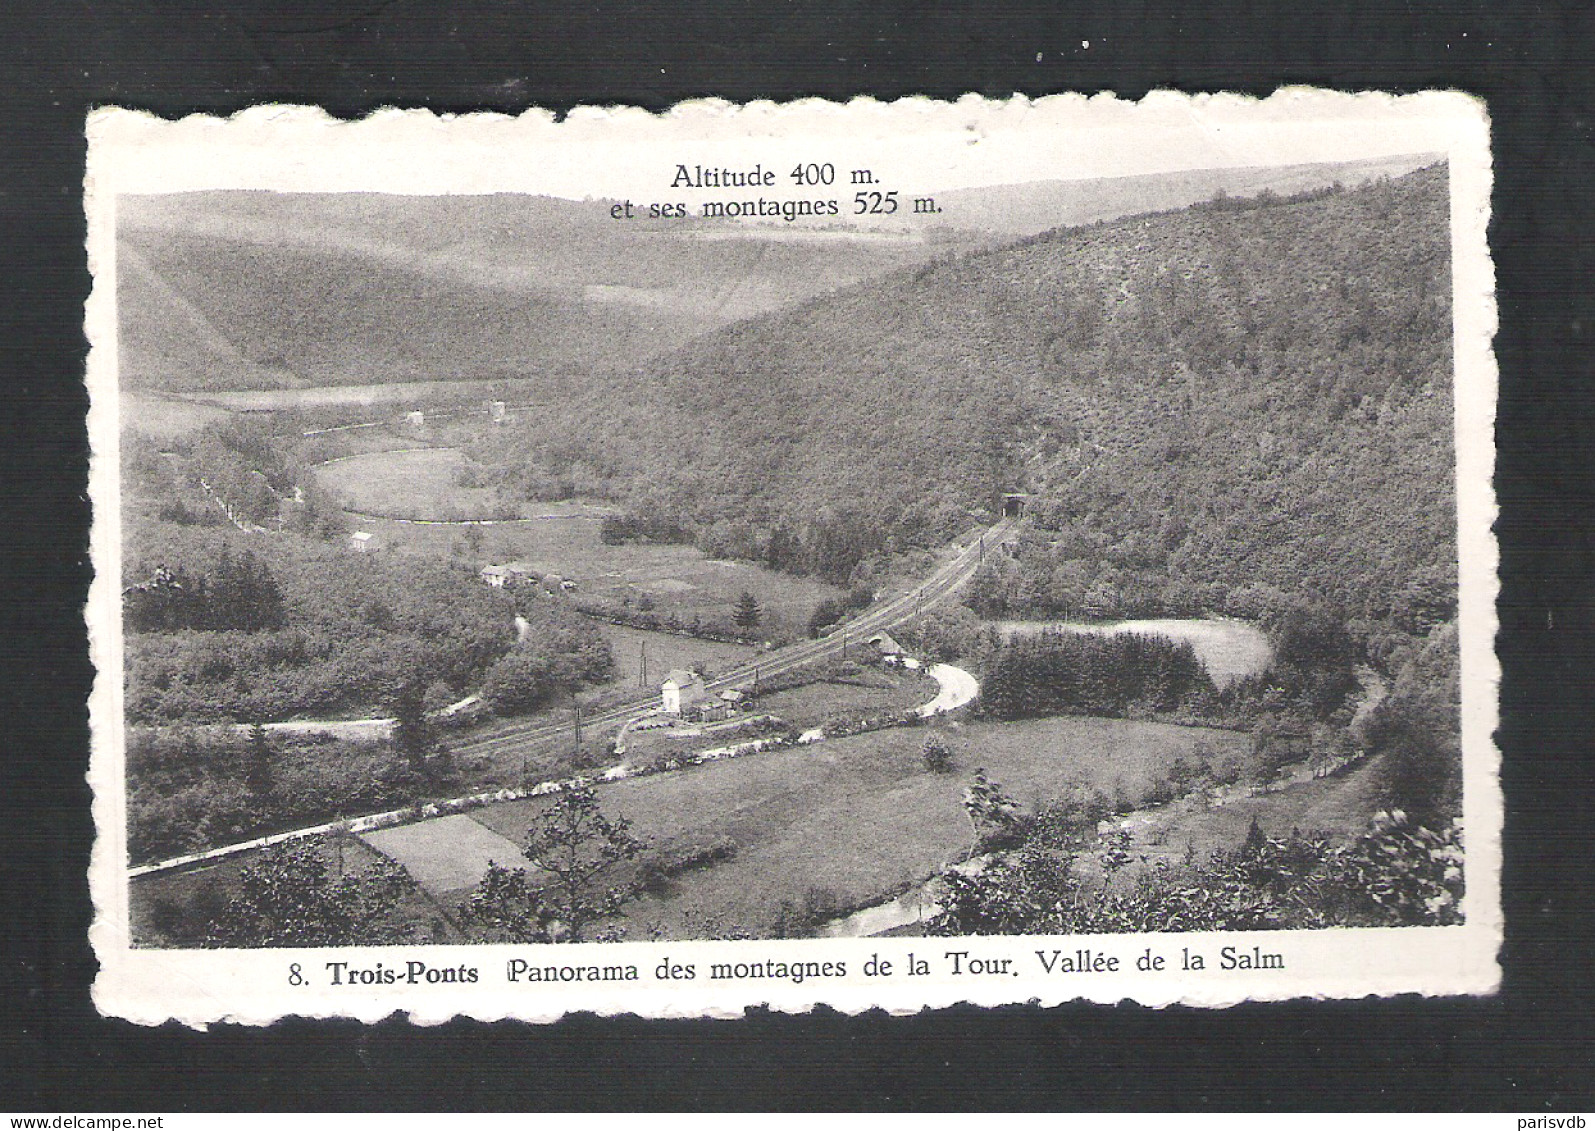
[
  {"x": 564, "y": 539},
  {"x": 430, "y": 484}
]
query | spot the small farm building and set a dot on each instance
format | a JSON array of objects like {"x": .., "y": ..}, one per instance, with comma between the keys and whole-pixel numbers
[
  {"x": 363, "y": 542},
  {"x": 508, "y": 574},
  {"x": 885, "y": 645}
]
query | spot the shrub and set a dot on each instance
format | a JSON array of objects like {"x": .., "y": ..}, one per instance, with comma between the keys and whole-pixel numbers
[
  {"x": 938, "y": 756},
  {"x": 657, "y": 869},
  {"x": 520, "y": 682}
]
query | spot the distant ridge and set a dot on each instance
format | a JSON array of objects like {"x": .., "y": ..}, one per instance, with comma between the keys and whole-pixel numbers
[
  {"x": 367, "y": 288},
  {"x": 1025, "y": 209},
  {"x": 259, "y": 290}
]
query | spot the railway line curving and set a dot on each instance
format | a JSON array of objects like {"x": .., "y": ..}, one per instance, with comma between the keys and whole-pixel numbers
[{"x": 930, "y": 594}]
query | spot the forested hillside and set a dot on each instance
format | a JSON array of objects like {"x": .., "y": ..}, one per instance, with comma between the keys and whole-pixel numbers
[
  {"x": 1231, "y": 399},
  {"x": 224, "y": 628},
  {"x": 260, "y": 290},
  {"x": 243, "y": 602}
]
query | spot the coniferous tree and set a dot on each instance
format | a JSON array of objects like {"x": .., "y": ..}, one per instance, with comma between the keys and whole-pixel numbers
[
  {"x": 412, "y": 733},
  {"x": 748, "y": 613},
  {"x": 259, "y": 776}
]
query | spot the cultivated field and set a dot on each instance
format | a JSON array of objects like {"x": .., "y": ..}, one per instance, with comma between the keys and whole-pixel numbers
[
  {"x": 846, "y": 822},
  {"x": 420, "y": 483},
  {"x": 445, "y": 854}
]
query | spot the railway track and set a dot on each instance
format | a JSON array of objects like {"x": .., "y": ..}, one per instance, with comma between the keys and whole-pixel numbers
[{"x": 929, "y": 594}]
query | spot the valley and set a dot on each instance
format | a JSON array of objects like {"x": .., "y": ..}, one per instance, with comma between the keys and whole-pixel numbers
[{"x": 821, "y": 567}]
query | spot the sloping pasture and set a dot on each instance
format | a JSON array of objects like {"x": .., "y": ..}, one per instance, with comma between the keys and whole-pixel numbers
[{"x": 851, "y": 820}]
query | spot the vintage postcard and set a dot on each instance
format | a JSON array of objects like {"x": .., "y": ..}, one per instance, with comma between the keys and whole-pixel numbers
[{"x": 865, "y": 555}]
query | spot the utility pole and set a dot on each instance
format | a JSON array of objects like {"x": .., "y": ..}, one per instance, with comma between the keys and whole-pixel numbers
[
  {"x": 644, "y": 654},
  {"x": 577, "y": 706}
]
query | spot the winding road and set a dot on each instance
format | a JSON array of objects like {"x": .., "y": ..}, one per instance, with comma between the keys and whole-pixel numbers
[
  {"x": 931, "y": 593},
  {"x": 956, "y": 688}
]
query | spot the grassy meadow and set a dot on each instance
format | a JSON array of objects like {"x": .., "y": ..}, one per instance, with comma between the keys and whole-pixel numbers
[
  {"x": 871, "y": 690},
  {"x": 848, "y": 821},
  {"x": 663, "y": 651},
  {"x": 562, "y": 539},
  {"x": 420, "y": 483},
  {"x": 1230, "y": 649}
]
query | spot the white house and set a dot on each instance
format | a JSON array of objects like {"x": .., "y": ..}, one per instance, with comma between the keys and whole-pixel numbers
[
  {"x": 680, "y": 690},
  {"x": 363, "y": 542},
  {"x": 497, "y": 411},
  {"x": 415, "y": 419}
]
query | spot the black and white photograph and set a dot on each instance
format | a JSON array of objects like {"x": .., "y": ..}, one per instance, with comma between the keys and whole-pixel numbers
[{"x": 864, "y": 555}]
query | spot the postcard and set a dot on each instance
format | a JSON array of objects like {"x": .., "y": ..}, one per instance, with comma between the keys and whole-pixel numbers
[{"x": 867, "y": 555}]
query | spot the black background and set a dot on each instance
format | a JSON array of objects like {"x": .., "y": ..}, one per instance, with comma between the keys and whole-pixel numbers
[{"x": 1527, "y": 1050}]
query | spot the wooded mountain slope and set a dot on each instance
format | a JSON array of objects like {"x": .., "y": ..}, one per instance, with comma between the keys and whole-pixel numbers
[
  {"x": 1241, "y": 393},
  {"x": 261, "y": 290}
]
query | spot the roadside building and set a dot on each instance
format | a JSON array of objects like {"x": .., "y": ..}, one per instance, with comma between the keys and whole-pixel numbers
[
  {"x": 415, "y": 419},
  {"x": 364, "y": 542},
  {"x": 497, "y": 411},
  {"x": 885, "y": 645},
  {"x": 680, "y": 690}
]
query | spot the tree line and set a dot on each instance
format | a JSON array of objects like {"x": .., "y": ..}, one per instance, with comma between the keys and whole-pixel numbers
[
  {"x": 1056, "y": 672},
  {"x": 232, "y": 593}
]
